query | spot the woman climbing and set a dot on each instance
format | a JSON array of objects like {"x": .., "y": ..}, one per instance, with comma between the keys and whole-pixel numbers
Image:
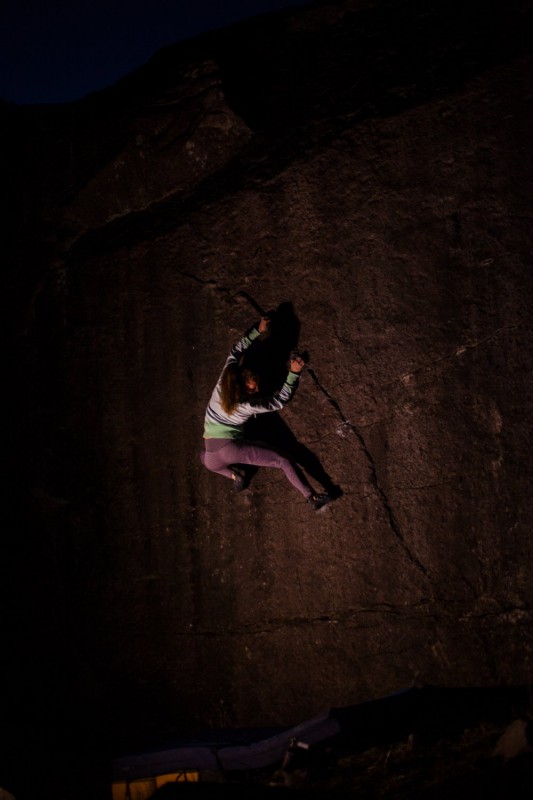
[{"x": 234, "y": 400}]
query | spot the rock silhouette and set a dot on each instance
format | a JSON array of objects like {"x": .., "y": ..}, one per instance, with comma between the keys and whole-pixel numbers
[{"x": 365, "y": 165}]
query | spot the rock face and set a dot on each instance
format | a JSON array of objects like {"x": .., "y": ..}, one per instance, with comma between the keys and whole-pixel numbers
[{"x": 363, "y": 168}]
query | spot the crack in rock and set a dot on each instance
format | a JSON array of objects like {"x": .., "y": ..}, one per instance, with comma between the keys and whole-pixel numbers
[
  {"x": 393, "y": 522},
  {"x": 514, "y": 613},
  {"x": 349, "y": 619}
]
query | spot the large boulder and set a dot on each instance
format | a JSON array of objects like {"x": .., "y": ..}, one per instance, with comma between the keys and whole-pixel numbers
[{"x": 361, "y": 169}]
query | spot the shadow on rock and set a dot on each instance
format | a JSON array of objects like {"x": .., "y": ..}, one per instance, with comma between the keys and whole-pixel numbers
[
  {"x": 269, "y": 355},
  {"x": 273, "y": 431},
  {"x": 268, "y": 358}
]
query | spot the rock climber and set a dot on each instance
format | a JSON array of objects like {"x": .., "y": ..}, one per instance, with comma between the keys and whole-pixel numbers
[{"x": 234, "y": 400}]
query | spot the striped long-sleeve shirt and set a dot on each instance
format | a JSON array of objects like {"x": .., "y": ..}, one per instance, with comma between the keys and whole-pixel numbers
[{"x": 221, "y": 425}]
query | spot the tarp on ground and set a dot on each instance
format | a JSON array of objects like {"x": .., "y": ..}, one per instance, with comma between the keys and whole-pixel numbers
[
  {"x": 425, "y": 712},
  {"x": 206, "y": 755}
]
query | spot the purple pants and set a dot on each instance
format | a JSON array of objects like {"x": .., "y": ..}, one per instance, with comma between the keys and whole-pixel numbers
[{"x": 220, "y": 454}]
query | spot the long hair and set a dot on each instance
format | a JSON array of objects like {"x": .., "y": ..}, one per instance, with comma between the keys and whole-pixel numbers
[{"x": 233, "y": 387}]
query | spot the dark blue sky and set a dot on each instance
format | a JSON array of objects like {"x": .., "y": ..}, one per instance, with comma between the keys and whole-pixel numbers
[{"x": 55, "y": 51}]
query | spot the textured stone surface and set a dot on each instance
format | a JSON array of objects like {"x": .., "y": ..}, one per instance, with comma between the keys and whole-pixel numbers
[{"x": 370, "y": 164}]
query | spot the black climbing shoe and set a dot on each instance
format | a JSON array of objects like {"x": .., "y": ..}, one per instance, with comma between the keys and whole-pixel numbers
[
  {"x": 239, "y": 480},
  {"x": 318, "y": 501}
]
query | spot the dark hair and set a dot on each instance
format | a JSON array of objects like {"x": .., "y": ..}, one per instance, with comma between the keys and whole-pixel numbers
[{"x": 233, "y": 386}]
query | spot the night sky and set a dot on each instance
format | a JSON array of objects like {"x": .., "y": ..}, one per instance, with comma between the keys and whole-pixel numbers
[{"x": 56, "y": 51}]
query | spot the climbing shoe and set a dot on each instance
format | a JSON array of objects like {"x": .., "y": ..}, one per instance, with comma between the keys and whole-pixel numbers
[
  {"x": 239, "y": 480},
  {"x": 318, "y": 501}
]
